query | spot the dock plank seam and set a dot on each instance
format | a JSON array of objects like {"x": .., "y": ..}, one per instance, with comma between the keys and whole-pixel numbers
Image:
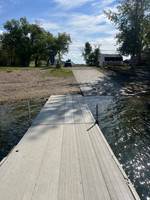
[
  {"x": 40, "y": 167},
  {"x": 80, "y": 166},
  {"x": 60, "y": 163}
]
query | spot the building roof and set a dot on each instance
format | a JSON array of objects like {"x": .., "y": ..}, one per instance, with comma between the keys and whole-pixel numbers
[{"x": 111, "y": 55}]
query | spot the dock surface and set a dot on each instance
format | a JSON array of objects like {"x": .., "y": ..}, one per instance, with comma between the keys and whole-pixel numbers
[{"x": 64, "y": 156}]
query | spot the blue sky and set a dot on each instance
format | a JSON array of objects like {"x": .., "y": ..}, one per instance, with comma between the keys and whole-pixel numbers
[{"x": 82, "y": 19}]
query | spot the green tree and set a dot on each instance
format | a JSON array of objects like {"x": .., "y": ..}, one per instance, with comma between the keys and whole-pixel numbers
[
  {"x": 130, "y": 19},
  {"x": 51, "y": 47},
  {"x": 147, "y": 40},
  {"x": 3, "y": 57},
  {"x": 38, "y": 38},
  {"x": 91, "y": 57},
  {"x": 9, "y": 39},
  {"x": 16, "y": 42},
  {"x": 96, "y": 56},
  {"x": 23, "y": 46},
  {"x": 86, "y": 52},
  {"x": 23, "y": 42},
  {"x": 63, "y": 41}
]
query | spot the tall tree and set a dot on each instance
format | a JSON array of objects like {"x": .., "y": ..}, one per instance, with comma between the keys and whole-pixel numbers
[
  {"x": 16, "y": 42},
  {"x": 9, "y": 40},
  {"x": 51, "y": 47},
  {"x": 86, "y": 52},
  {"x": 37, "y": 37},
  {"x": 3, "y": 57},
  {"x": 147, "y": 40},
  {"x": 63, "y": 41},
  {"x": 96, "y": 56},
  {"x": 23, "y": 49},
  {"x": 91, "y": 57},
  {"x": 130, "y": 19}
]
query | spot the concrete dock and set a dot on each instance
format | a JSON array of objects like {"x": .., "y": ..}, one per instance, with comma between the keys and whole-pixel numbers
[{"x": 64, "y": 156}]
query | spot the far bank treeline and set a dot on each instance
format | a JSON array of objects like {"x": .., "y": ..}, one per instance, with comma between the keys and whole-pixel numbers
[{"x": 22, "y": 43}]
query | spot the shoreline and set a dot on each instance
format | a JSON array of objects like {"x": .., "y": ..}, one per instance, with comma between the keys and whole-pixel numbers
[
  {"x": 24, "y": 85},
  {"x": 135, "y": 84}
]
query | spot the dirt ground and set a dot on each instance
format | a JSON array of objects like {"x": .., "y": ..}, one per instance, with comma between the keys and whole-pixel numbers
[
  {"x": 29, "y": 84},
  {"x": 20, "y": 85}
]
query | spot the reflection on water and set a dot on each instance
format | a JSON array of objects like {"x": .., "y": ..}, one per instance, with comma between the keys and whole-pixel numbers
[
  {"x": 14, "y": 123},
  {"x": 125, "y": 122}
]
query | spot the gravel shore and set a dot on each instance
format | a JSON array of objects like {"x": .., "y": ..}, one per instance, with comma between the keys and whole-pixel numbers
[
  {"x": 20, "y": 85},
  {"x": 134, "y": 82}
]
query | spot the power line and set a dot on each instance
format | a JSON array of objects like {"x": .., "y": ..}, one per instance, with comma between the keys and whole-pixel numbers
[
  {"x": 100, "y": 50},
  {"x": 107, "y": 50}
]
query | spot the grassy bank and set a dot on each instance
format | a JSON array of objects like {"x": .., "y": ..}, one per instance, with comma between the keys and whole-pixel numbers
[
  {"x": 144, "y": 68},
  {"x": 54, "y": 72},
  {"x": 10, "y": 69}
]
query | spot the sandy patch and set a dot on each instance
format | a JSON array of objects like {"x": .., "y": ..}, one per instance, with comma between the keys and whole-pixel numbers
[{"x": 29, "y": 84}]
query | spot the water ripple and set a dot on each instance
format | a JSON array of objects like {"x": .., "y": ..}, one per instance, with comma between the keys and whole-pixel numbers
[{"x": 125, "y": 123}]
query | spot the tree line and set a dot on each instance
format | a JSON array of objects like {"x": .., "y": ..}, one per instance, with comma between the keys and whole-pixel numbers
[
  {"x": 132, "y": 19},
  {"x": 23, "y": 42}
]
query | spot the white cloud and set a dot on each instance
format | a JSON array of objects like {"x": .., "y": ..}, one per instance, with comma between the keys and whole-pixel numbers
[
  {"x": 102, "y": 3},
  {"x": 94, "y": 28},
  {"x": 49, "y": 25},
  {"x": 81, "y": 20},
  {"x": 76, "y": 3},
  {"x": 1, "y": 31},
  {"x": 113, "y": 9},
  {"x": 83, "y": 28},
  {"x": 90, "y": 24},
  {"x": 79, "y": 25},
  {"x": 108, "y": 45},
  {"x": 67, "y": 4}
]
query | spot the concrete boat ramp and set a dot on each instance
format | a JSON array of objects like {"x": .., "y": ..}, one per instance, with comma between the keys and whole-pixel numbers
[
  {"x": 64, "y": 156},
  {"x": 95, "y": 83}
]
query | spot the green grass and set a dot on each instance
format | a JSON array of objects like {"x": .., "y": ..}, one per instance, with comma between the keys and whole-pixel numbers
[
  {"x": 54, "y": 72},
  {"x": 10, "y": 69},
  {"x": 143, "y": 68},
  {"x": 98, "y": 68},
  {"x": 80, "y": 65},
  {"x": 117, "y": 67},
  {"x": 128, "y": 67}
]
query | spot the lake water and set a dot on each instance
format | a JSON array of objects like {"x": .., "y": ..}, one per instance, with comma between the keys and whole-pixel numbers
[
  {"x": 14, "y": 122},
  {"x": 125, "y": 122}
]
